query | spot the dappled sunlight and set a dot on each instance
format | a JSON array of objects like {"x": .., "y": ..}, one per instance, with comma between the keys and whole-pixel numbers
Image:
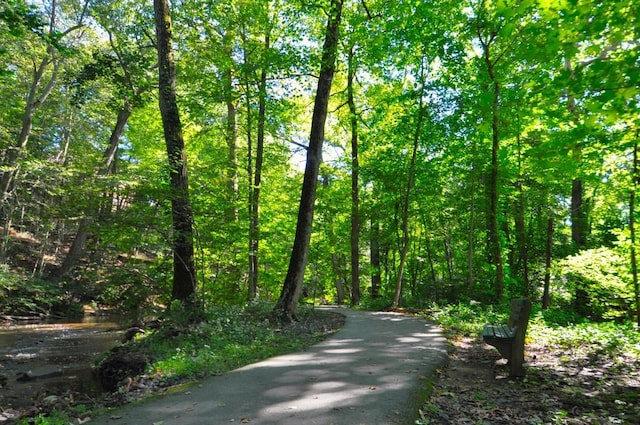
[
  {"x": 343, "y": 350},
  {"x": 366, "y": 373}
]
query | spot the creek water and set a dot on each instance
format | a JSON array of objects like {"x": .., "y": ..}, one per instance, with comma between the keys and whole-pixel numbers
[{"x": 39, "y": 359}]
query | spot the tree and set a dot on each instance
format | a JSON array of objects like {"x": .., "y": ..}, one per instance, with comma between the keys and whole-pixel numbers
[
  {"x": 43, "y": 82},
  {"x": 287, "y": 303},
  {"x": 184, "y": 276},
  {"x": 355, "y": 185}
]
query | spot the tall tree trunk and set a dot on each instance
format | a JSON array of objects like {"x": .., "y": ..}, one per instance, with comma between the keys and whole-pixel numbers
[
  {"x": 449, "y": 254},
  {"x": 404, "y": 247},
  {"x": 231, "y": 136},
  {"x": 184, "y": 276},
  {"x": 494, "y": 237},
  {"x": 432, "y": 268},
  {"x": 632, "y": 228},
  {"x": 578, "y": 213},
  {"x": 521, "y": 231},
  {"x": 336, "y": 265},
  {"x": 83, "y": 233},
  {"x": 579, "y": 220},
  {"x": 471, "y": 238},
  {"x": 286, "y": 306},
  {"x": 521, "y": 241},
  {"x": 34, "y": 101},
  {"x": 355, "y": 171},
  {"x": 254, "y": 203}
]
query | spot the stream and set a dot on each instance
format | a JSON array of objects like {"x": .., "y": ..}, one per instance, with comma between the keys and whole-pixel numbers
[{"x": 52, "y": 357}]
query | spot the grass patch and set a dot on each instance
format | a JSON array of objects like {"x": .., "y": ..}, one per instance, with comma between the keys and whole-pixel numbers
[
  {"x": 223, "y": 339},
  {"x": 227, "y": 338}
]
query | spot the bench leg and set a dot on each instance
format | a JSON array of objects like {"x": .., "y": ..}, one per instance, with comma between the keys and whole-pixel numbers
[{"x": 516, "y": 362}]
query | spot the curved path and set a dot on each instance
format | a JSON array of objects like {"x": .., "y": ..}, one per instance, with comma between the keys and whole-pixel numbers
[{"x": 372, "y": 372}]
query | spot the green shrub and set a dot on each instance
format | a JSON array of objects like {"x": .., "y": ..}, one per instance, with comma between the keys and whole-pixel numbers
[
  {"x": 22, "y": 296},
  {"x": 595, "y": 283}
]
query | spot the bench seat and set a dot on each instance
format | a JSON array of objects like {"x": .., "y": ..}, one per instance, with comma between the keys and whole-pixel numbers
[
  {"x": 498, "y": 332},
  {"x": 509, "y": 339}
]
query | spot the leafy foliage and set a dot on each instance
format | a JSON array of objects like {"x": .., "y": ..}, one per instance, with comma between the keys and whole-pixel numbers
[
  {"x": 21, "y": 296},
  {"x": 224, "y": 339},
  {"x": 602, "y": 274}
]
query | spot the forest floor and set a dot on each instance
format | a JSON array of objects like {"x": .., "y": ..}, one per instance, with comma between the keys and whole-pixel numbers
[
  {"x": 572, "y": 386},
  {"x": 315, "y": 326},
  {"x": 562, "y": 386}
]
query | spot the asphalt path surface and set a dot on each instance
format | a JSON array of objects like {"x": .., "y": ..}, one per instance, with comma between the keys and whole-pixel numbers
[{"x": 373, "y": 371}]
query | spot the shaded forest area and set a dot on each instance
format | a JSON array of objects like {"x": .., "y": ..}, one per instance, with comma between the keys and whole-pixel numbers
[{"x": 474, "y": 150}]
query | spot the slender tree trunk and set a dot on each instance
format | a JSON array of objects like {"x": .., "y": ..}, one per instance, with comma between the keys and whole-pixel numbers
[
  {"x": 254, "y": 204},
  {"x": 336, "y": 264},
  {"x": 184, "y": 277},
  {"x": 494, "y": 237},
  {"x": 286, "y": 306},
  {"x": 34, "y": 101},
  {"x": 432, "y": 269},
  {"x": 579, "y": 220},
  {"x": 471, "y": 238},
  {"x": 546, "y": 296},
  {"x": 374, "y": 249},
  {"x": 355, "y": 171},
  {"x": 404, "y": 247},
  {"x": 521, "y": 241},
  {"x": 632, "y": 229},
  {"x": 449, "y": 254},
  {"x": 231, "y": 137},
  {"x": 578, "y": 213},
  {"x": 521, "y": 231},
  {"x": 83, "y": 233}
]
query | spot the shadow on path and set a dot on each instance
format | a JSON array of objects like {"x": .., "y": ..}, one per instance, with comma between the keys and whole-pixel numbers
[{"x": 369, "y": 372}]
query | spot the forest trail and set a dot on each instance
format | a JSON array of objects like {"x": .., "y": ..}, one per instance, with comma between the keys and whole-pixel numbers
[{"x": 372, "y": 371}]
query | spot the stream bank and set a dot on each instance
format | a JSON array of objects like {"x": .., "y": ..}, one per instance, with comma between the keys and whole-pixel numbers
[{"x": 52, "y": 358}]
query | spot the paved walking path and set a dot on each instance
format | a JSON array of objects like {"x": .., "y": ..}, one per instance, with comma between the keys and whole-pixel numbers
[{"x": 370, "y": 372}]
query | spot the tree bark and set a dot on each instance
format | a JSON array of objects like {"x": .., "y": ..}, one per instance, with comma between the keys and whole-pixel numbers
[
  {"x": 355, "y": 171},
  {"x": 286, "y": 306},
  {"x": 579, "y": 223},
  {"x": 546, "y": 296},
  {"x": 254, "y": 203},
  {"x": 632, "y": 229},
  {"x": 494, "y": 237},
  {"x": 231, "y": 134},
  {"x": 184, "y": 277},
  {"x": 404, "y": 247},
  {"x": 83, "y": 233},
  {"x": 374, "y": 249},
  {"x": 34, "y": 101},
  {"x": 471, "y": 238},
  {"x": 339, "y": 274}
]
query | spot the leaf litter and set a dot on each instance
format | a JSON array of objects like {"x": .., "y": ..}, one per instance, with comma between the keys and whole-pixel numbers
[{"x": 572, "y": 386}]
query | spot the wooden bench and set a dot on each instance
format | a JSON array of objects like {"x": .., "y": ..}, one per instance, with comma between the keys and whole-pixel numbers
[{"x": 509, "y": 338}]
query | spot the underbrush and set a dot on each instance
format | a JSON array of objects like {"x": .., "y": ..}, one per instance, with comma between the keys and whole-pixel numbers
[
  {"x": 32, "y": 297},
  {"x": 551, "y": 328},
  {"x": 226, "y": 338},
  {"x": 579, "y": 372},
  {"x": 180, "y": 351}
]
